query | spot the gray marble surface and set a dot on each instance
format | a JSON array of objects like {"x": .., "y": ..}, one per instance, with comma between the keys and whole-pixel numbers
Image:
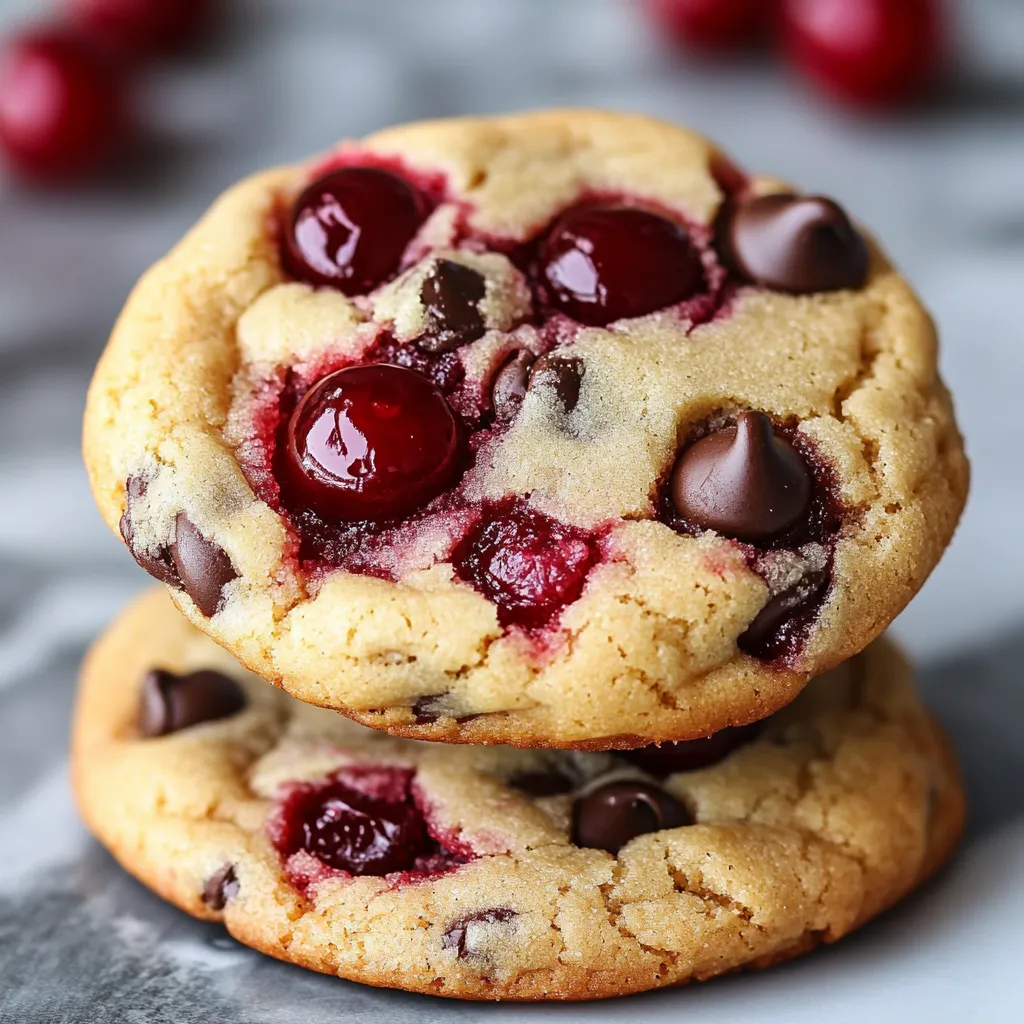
[{"x": 82, "y": 942}]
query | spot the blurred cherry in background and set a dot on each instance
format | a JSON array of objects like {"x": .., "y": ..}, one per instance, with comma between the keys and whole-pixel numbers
[
  {"x": 140, "y": 27},
  {"x": 63, "y": 85},
  {"x": 714, "y": 25},
  {"x": 61, "y": 108},
  {"x": 868, "y": 52}
]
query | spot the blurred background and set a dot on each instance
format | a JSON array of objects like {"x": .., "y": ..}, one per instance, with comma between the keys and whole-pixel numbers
[{"x": 938, "y": 174}]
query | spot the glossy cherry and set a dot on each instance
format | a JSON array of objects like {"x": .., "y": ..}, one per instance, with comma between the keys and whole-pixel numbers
[
  {"x": 140, "y": 26},
  {"x": 529, "y": 565},
  {"x": 869, "y": 52},
  {"x": 61, "y": 108},
  {"x": 349, "y": 228},
  {"x": 350, "y": 830},
  {"x": 713, "y": 25},
  {"x": 370, "y": 442},
  {"x": 604, "y": 262}
]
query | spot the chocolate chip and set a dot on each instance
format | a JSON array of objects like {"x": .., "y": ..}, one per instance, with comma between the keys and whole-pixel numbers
[
  {"x": 563, "y": 374},
  {"x": 169, "y": 702},
  {"x": 691, "y": 755},
  {"x": 459, "y": 935},
  {"x": 157, "y": 562},
  {"x": 798, "y": 244},
  {"x": 745, "y": 481},
  {"x": 429, "y": 709},
  {"x": 610, "y": 816},
  {"x": 550, "y": 783},
  {"x": 765, "y": 635},
  {"x": 510, "y": 382},
  {"x": 203, "y": 566},
  {"x": 451, "y": 294},
  {"x": 220, "y": 887}
]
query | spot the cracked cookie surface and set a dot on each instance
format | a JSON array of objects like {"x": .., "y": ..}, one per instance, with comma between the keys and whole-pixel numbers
[
  {"x": 838, "y": 806},
  {"x": 544, "y": 590}
]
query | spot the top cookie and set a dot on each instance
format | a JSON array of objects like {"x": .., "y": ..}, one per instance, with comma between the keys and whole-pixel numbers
[{"x": 553, "y": 429}]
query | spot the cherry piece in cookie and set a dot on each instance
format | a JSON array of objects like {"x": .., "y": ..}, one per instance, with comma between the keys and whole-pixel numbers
[
  {"x": 349, "y": 229},
  {"x": 349, "y": 830},
  {"x": 744, "y": 482},
  {"x": 529, "y": 565},
  {"x": 371, "y": 442},
  {"x": 451, "y": 294},
  {"x": 610, "y": 816},
  {"x": 203, "y": 567},
  {"x": 796, "y": 244},
  {"x": 169, "y": 702},
  {"x": 603, "y": 263},
  {"x": 510, "y": 384},
  {"x": 867, "y": 52},
  {"x": 61, "y": 108},
  {"x": 691, "y": 755}
]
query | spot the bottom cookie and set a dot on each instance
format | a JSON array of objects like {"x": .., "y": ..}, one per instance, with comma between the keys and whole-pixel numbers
[{"x": 495, "y": 873}]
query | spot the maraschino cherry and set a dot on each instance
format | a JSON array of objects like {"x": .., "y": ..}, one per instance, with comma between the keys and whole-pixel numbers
[
  {"x": 140, "y": 26},
  {"x": 605, "y": 262},
  {"x": 869, "y": 52},
  {"x": 529, "y": 565},
  {"x": 713, "y": 25},
  {"x": 61, "y": 108},
  {"x": 370, "y": 442},
  {"x": 350, "y": 830},
  {"x": 349, "y": 228}
]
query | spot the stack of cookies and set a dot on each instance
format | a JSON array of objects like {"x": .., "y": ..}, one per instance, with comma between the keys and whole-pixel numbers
[{"x": 560, "y": 442}]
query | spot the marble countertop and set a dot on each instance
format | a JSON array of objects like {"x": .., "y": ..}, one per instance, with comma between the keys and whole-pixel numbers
[{"x": 79, "y": 940}]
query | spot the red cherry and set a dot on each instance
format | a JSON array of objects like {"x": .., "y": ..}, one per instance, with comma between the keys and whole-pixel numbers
[
  {"x": 60, "y": 106},
  {"x": 363, "y": 833},
  {"x": 604, "y": 263},
  {"x": 869, "y": 52},
  {"x": 713, "y": 25},
  {"x": 370, "y": 442},
  {"x": 529, "y": 565},
  {"x": 349, "y": 228},
  {"x": 140, "y": 26}
]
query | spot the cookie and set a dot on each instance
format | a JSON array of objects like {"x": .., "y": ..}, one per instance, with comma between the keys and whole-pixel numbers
[
  {"x": 547, "y": 430},
  {"x": 497, "y": 872}
]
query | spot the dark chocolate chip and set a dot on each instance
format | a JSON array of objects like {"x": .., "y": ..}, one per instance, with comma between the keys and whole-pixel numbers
[
  {"x": 169, "y": 702},
  {"x": 691, "y": 755},
  {"x": 510, "y": 382},
  {"x": 550, "y": 783},
  {"x": 451, "y": 294},
  {"x": 220, "y": 887},
  {"x": 745, "y": 481},
  {"x": 203, "y": 566},
  {"x": 763, "y": 636},
  {"x": 610, "y": 816},
  {"x": 457, "y": 935},
  {"x": 797, "y": 244},
  {"x": 429, "y": 709},
  {"x": 157, "y": 562},
  {"x": 563, "y": 374}
]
